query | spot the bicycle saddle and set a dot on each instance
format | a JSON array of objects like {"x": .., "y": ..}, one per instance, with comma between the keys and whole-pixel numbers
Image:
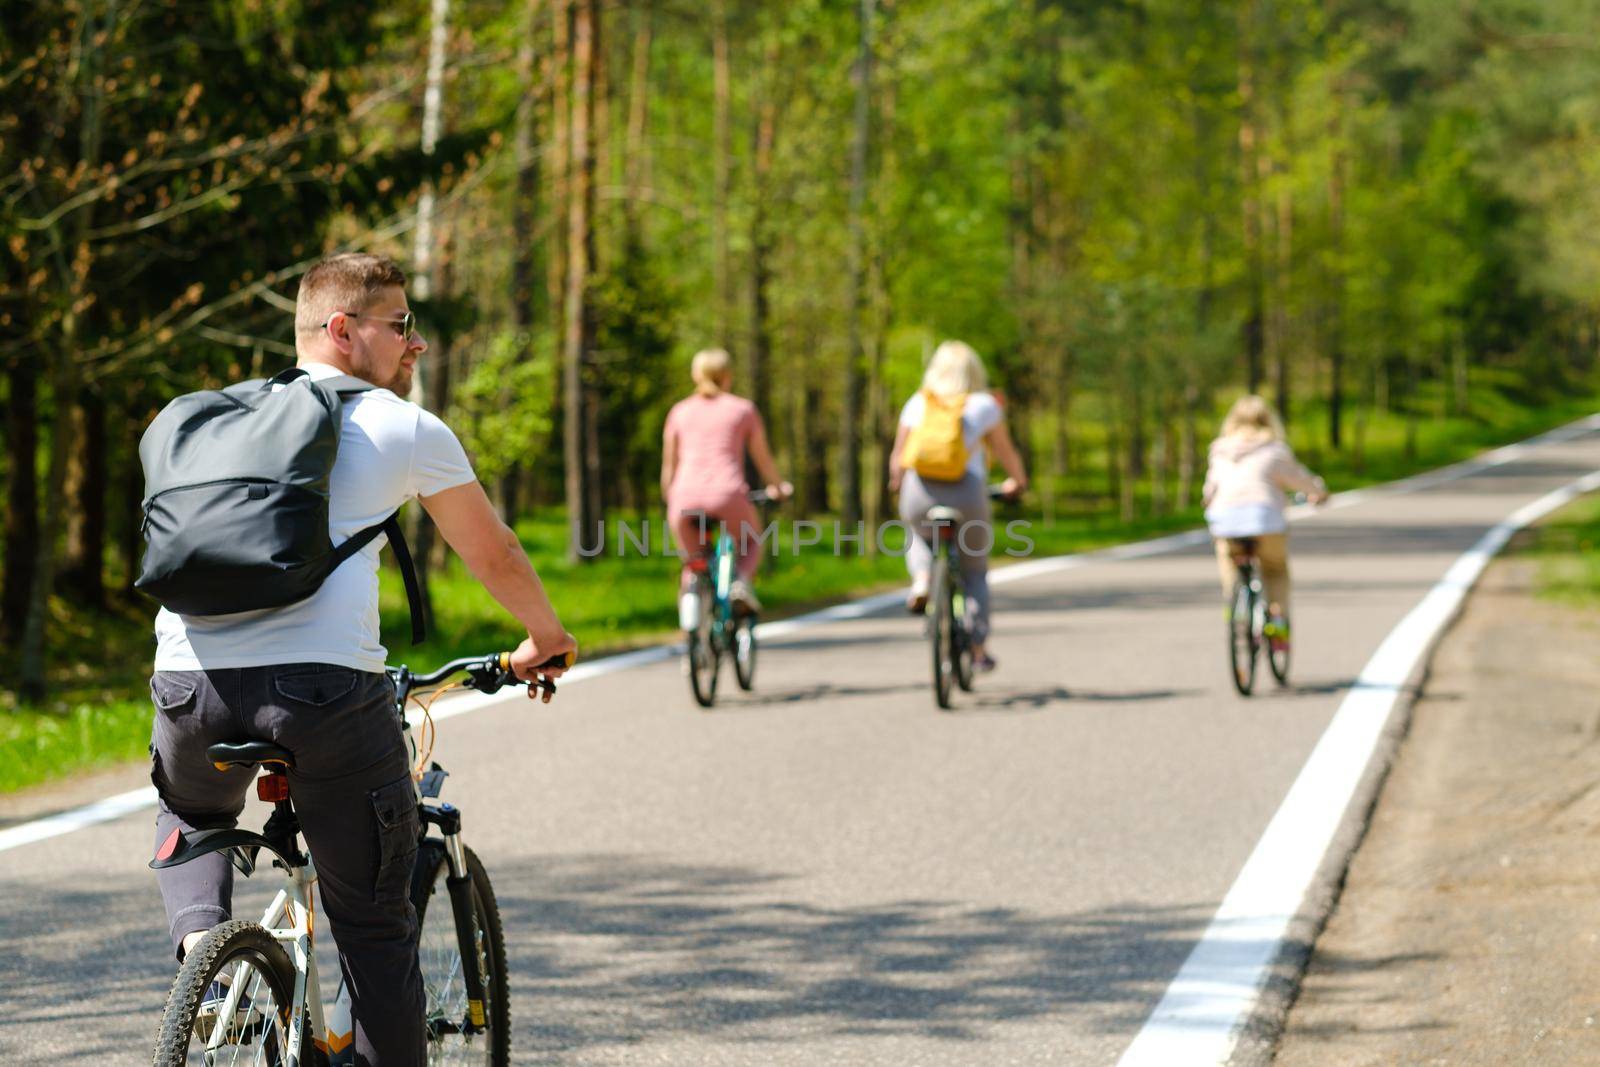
[
  {"x": 225, "y": 754},
  {"x": 944, "y": 514}
]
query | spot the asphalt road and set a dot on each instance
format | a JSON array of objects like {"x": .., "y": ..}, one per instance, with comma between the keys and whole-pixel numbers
[{"x": 830, "y": 870}]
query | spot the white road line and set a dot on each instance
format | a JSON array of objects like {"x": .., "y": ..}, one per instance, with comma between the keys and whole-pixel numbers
[
  {"x": 1200, "y": 1018},
  {"x": 76, "y": 819},
  {"x": 127, "y": 803}
]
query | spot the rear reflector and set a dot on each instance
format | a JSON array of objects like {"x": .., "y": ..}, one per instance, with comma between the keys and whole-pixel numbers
[
  {"x": 170, "y": 845},
  {"x": 272, "y": 788}
]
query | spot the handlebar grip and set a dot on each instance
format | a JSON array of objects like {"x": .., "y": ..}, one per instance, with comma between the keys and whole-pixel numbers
[{"x": 562, "y": 660}]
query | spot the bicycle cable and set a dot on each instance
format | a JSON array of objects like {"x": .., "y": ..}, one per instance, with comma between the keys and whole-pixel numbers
[{"x": 427, "y": 730}]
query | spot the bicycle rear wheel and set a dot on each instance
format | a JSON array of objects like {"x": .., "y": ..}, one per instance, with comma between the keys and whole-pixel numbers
[
  {"x": 258, "y": 1030},
  {"x": 744, "y": 651},
  {"x": 440, "y": 946},
  {"x": 941, "y": 602},
  {"x": 962, "y": 658},
  {"x": 704, "y": 656},
  {"x": 1243, "y": 637}
]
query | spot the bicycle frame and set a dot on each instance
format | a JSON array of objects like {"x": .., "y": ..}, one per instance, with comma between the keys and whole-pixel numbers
[{"x": 292, "y": 902}]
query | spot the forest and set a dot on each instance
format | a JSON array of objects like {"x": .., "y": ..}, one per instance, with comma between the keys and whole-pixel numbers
[{"x": 1378, "y": 213}]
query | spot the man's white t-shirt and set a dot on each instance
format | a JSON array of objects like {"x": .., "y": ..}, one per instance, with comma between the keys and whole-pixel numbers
[
  {"x": 980, "y": 415},
  {"x": 390, "y": 451}
]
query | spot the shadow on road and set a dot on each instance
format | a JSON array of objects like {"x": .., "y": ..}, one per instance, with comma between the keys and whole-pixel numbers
[
  {"x": 1039, "y": 698},
  {"x": 616, "y": 950}
]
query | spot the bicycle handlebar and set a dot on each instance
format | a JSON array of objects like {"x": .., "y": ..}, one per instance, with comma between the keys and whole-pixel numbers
[{"x": 486, "y": 674}]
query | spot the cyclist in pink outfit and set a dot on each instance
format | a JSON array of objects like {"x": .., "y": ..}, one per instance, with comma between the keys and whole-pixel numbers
[
  {"x": 702, "y": 471},
  {"x": 1251, "y": 470}
]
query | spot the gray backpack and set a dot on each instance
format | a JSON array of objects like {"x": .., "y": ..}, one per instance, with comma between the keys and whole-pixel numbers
[{"x": 236, "y": 499}]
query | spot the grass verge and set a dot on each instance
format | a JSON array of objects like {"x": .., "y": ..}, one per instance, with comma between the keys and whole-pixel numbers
[{"x": 1564, "y": 546}]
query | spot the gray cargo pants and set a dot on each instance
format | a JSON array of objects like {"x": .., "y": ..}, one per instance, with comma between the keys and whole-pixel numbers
[{"x": 351, "y": 787}]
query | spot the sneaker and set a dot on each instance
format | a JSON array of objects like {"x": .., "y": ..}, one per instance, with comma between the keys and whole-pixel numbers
[
  {"x": 917, "y": 601},
  {"x": 983, "y": 663},
  {"x": 1276, "y": 631},
  {"x": 744, "y": 597},
  {"x": 205, "y": 1019}
]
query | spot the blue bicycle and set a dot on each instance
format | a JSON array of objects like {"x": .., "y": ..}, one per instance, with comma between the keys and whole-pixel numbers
[{"x": 713, "y": 625}]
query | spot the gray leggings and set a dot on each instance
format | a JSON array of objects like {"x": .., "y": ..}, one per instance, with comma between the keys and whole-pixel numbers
[
  {"x": 351, "y": 787},
  {"x": 970, "y": 496}
]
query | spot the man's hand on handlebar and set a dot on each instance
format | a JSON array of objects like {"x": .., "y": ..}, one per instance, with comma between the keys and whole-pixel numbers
[
  {"x": 533, "y": 660},
  {"x": 1012, "y": 488},
  {"x": 779, "y": 491}
]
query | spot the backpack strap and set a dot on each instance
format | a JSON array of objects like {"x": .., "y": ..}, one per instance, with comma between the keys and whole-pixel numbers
[
  {"x": 402, "y": 556},
  {"x": 284, "y": 377}
]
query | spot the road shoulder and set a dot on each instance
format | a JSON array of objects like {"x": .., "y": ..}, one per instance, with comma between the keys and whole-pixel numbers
[{"x": 1468, "y": 928}]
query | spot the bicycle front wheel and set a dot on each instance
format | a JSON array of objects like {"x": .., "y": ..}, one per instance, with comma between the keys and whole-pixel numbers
[
  {"x": 453, "y": 1038},
  {"x": 941, "y": 602},
  {"x": 1243, "y": 640},
  {"x": 201, "y": 1026}
]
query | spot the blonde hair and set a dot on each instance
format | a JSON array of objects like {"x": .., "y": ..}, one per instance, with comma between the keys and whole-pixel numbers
[
  {"x": 1252, "y": 416},
  {"x": 955, "y": 369},
  {"x": 710, "y": 369},
  {"x": 351, "y": 281}
]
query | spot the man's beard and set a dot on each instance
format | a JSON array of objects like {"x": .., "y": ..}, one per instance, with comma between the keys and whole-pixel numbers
[{"x": 400, "y": 384}]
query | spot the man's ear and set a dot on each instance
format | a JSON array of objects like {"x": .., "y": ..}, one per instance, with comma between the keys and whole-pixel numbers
[{"x": 339, "y": 332}]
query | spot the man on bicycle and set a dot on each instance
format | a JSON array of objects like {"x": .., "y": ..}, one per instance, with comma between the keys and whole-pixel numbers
[{"x": 310, "y": 676}]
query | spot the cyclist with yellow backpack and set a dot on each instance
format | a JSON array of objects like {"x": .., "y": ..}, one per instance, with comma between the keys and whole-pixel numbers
[{"x": 948, "y": 431}]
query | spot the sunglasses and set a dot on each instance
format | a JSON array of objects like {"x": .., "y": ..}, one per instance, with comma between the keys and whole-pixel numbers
[{"x": 406, "y": 326}]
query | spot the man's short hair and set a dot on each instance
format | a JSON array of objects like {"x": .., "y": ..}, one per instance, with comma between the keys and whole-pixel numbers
[{"x": 350, "y": 281}]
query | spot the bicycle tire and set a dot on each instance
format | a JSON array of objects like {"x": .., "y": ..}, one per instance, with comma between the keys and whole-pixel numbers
[
  {"x": 941, "y": 600},
  {"x": 744, "y": 652},
  {"x": 1243, "y": 642},
  {"x": 430, "y": 895},
  {"x": 226, "y": 944},
  {"x": 703, "y": 654},
  {"x": 962, "y": 642},
  {"x": 1278, "y": 661}
]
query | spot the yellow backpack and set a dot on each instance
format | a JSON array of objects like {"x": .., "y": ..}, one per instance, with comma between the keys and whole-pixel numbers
[{"x": 936, "y": 447}]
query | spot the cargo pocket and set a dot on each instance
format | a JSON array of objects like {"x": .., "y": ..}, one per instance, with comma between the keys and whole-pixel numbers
[
  {"x": 169, "y": 694},
  {"x": 395, "y": 806},
  {"x": 317, "y": 687}
]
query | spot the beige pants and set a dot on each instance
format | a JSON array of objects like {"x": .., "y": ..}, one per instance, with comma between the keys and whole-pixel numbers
[{"x": 1272, "y": 556}]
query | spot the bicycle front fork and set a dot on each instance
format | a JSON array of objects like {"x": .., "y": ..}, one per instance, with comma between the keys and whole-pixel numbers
[{"x": 447, "y": 817}]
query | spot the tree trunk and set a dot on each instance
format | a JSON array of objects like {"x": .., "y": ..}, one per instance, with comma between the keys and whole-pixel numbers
[
  {"x": 638, "y": 117},
  {"x": 22, "y": 496},
  {"x": 1282, "y": 342},
  {"x": 524, "y": 246},
  {"x": 64, "y": 384},
  {"x": 855, "y": 371},
  {"x": 84, "y": 571},
  {"x": 1334, "y": 287},
  {"x": 575, "y": 350},
  {"x": 815, "y": 451},
  {"x": 1249, "y": 180},
  {"x": 721, "y": 167},
  {"x": 130, "y": 494},
  {"x": 761, "y": 238}
]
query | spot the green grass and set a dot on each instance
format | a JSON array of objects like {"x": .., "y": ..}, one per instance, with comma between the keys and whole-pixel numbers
[
  {"x": 98, "y": 712},
  {"x": 1564, "y": 546}
]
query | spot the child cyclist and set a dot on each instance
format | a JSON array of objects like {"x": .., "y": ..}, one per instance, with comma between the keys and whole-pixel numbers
[{"x": 1251, "y": 469}]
